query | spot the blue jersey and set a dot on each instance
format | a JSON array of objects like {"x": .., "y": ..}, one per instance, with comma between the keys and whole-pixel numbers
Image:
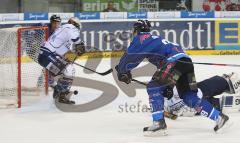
[{"x": 155, "y": 49}]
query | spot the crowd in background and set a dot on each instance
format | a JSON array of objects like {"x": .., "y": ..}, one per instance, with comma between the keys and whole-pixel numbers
[{"x": 22, "y": 6}]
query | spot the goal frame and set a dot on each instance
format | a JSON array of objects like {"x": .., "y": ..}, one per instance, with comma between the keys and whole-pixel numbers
[{"x": 19, "y": 62}]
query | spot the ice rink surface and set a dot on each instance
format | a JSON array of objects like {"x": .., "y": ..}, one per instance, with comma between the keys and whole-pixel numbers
[{"x": 119, "y": 121}]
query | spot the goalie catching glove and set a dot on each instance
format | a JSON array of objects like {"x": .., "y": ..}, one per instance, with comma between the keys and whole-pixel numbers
[{"x": 124, "y": 77}]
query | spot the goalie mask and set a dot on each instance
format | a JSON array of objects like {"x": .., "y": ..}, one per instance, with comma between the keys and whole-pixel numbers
[{"x": 55, "y": 18}]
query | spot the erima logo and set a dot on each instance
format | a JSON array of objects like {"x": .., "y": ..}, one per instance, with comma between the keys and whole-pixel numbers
[
  {"x": 129, "y": 5},
  {"x": 236, "y": 85}
]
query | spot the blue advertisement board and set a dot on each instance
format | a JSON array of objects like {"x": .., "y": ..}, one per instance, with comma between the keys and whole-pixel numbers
[
  {"x": 187, "y": 14},
  {"x": 191, "y": 35},
  {"x": 87, "y": 15},
  {"x": 114, "y": 36},
  {"x": 137, "y": 15},
  {"x": 36, "y": 16}
]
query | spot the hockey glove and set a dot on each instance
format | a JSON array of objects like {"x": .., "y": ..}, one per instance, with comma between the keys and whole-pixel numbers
[
  {"x": 79, "y": 49},
  {"x": 124, "y": 77},
  {"x": 168, "y": 92}
]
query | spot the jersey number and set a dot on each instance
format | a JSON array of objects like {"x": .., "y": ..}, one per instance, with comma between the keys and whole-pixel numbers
[{"x": 168, "y": 42}]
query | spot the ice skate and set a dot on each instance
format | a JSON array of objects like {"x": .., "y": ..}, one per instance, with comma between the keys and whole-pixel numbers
[
  {"x": 65, "y": 98},
  {"x": 159, "y": 128},
  {"x": 222, "y": 123}
]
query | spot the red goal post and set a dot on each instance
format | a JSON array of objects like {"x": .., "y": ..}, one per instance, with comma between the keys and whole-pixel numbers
[{"x": 21, "y": 73}]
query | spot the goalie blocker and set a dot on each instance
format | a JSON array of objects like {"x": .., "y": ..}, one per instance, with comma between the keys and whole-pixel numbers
[{"x": 231, "y": 102}]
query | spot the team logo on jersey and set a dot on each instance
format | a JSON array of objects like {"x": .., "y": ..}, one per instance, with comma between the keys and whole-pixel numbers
[{"x": 144, "y": 37}]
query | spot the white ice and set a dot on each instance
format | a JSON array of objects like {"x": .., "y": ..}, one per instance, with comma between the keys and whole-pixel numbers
[{"x": 39, "y": 121}]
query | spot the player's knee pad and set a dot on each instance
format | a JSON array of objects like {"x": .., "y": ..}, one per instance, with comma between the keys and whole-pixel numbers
[
  {"x": 69, "y": 71},
  {"x": 156, "y": 98},
  {"x": 66, "y": 79}
]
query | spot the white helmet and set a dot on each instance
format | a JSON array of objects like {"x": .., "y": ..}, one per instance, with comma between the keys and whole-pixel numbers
[{"x": 75, "y": 21}]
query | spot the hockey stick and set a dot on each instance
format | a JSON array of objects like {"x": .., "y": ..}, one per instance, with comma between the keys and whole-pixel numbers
[
  {"x": 103, "y": 73},
  {"x": 166, "y": 114},
  {"x": 217, "y": 64}
]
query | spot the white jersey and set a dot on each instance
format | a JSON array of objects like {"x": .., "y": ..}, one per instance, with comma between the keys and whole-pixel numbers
[
  {"x": 177, "y": 106},
  {"x": 62, "y": 39}
]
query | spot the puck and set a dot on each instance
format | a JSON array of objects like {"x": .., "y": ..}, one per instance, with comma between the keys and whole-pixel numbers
[{"x": 75, "y": 92}]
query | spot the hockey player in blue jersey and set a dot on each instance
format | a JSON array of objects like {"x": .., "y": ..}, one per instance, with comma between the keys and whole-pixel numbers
[{"x": 174, "y": 68}]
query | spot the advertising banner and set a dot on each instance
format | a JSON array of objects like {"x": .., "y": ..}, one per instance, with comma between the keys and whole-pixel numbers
[
  {"x": 88, "y": 15},
  {"x": 115, "y": 36},
  {"x": 186, "y": 14},
  {"x": 12, "y": 17},
  {"x": 227, "y": 14},
  {"x": 36, "y": 16},
  {"x": 137, "y": 15},
  {"x": 227, "y": 34},
  {"x": 100, "y": 5}
]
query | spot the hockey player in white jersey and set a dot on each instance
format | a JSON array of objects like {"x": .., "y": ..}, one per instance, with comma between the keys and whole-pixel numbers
[
  {"x": 65, "y": 40},
  {"x": 207, "y": 89}
]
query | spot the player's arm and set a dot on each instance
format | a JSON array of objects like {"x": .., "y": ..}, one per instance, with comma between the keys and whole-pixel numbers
[
  {"x": 74, "y": 35},
  {"x": 77, "y": 47},
  {"x": 133, "y": 56}
]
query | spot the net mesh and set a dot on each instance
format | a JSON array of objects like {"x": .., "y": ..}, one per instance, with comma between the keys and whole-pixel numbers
[{"x": 32, "y": 74}]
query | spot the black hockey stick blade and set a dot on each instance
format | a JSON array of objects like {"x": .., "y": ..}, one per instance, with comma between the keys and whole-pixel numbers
[
  {"x": 106, "y": 72},
  {"x": 103, "y": 73}
]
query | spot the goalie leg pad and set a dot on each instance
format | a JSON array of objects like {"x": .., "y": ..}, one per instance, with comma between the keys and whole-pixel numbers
[
  {"x": 233, "y": 81},
  {"x": 65, "y": 81}
]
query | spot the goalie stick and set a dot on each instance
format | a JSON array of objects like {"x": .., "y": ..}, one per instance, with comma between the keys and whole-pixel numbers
[
  {"x": 166, "y": 114},
  {"x": 103, "y": 73}
]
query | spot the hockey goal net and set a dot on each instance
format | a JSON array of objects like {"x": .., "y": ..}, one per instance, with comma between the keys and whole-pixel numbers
[{"x": 20, "y": 73}]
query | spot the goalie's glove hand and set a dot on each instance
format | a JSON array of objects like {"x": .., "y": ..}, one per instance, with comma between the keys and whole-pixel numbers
[
  {"x": 79, "y": 49},
  {"x": 124, "y": 77}
]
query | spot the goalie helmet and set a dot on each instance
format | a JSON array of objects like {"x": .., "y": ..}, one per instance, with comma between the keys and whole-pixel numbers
[
  {"x": 75, "y": 21},
  {"x": 55, "y": 18},
  {"x": 141, "y": 26}
]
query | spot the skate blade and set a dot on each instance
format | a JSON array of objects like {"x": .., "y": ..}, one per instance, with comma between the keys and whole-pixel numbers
[
  {"x": 227, "y": 125},
  {"x": 155, "y": 134}
]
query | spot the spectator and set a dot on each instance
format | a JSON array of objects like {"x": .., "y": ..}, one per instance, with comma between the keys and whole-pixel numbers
[
  {"x": 110, "y": 7},
  {"x": 232, "y": 7}
]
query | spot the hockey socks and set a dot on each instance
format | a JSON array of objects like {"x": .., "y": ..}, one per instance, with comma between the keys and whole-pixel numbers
[{"x": 202, "y": 106}]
